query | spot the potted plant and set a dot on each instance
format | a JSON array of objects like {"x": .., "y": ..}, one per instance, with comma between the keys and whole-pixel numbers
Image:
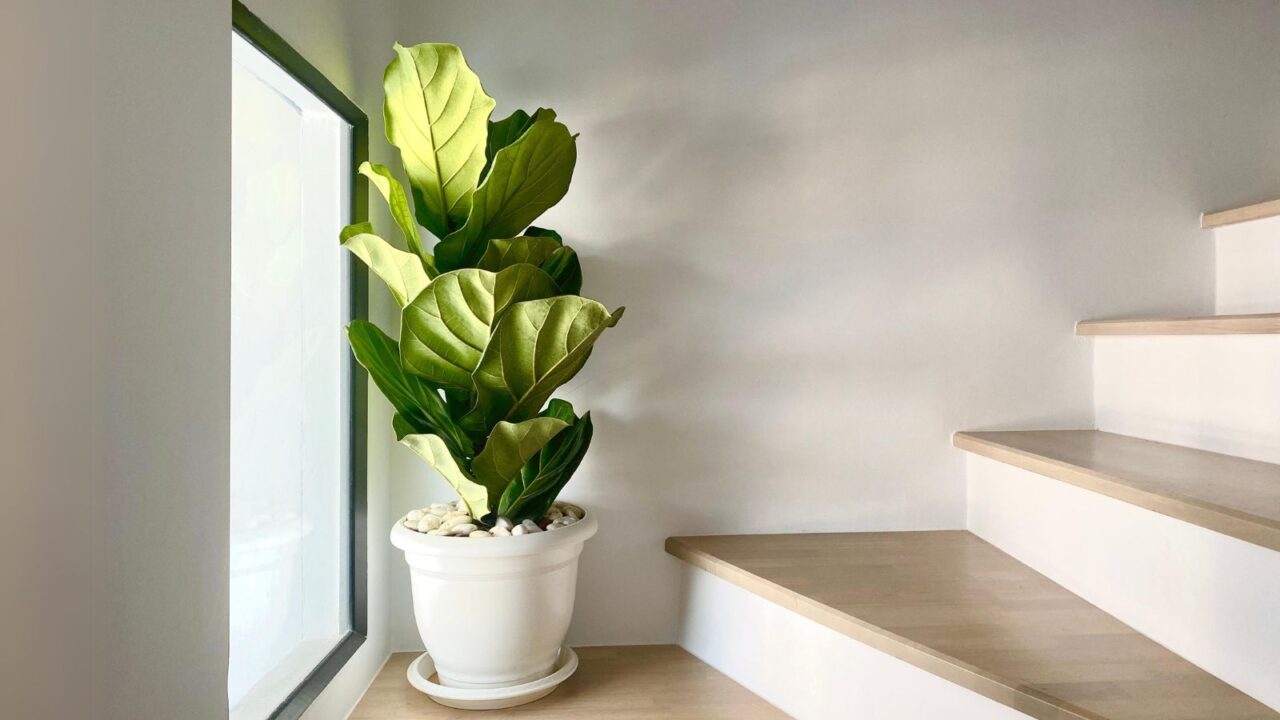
[{"x": 491, "y": 324}]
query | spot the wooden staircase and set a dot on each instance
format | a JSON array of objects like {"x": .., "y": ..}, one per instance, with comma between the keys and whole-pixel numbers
[
  {"x": 1127, "y": 572},
  {"x": 953, "y": 605}
]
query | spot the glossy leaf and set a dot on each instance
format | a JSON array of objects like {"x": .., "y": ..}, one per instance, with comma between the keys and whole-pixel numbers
[
  {"x": 536, "y": 347},
  {"x": 502, "y": 133},
  {"x": 445, "y": 330},
  {"x": 401, "y": 271},
  {"x": 527, "y": 177},
  {"x": 418, "y": 406},
  {"x": 534, "y": 231},
  {"x": 524, "y": 249},
  {"x": 433, "y": 449},
  {"x": 510, "y": 446},
  {"x": 437, "y": 114},
  {"x": 393, "y": 192},
  {"x": 563, "y": 267},
  {"x": 540, "y": 481}
]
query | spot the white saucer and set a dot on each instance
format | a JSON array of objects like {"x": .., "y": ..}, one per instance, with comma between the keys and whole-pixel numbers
[{"x": 422, "y": 668}]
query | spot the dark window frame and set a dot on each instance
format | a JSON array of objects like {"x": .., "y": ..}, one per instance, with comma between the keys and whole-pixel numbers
[{"x": 252, "y": 29}]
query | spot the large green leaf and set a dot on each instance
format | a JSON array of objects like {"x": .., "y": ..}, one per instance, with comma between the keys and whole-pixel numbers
[
  {"x": 536, "y": 347},
  {"x": 437, "y": 113},
  {"x": 532, "y": 491},
  {"x": 432, "y": 449},
  {"x": 510, "y": 446},
  {"x": 446, "y": 328},
  {"x": 418, "y": 406},
  {"x": 401, "y": 271},
  {"x": 393, "y": 192},
  {"x": 524, "y": 249},
  {"x": 502, "y": 133},
  {"x": 527, "y": 177}
]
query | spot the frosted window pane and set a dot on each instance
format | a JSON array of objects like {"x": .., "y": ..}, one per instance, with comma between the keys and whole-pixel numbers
[{"x": 290, "y": 602}]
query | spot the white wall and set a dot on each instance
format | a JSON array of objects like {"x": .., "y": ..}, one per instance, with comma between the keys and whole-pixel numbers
[
  {"x": 45, "y": 416},
  {"x": 844, "y": 230}
]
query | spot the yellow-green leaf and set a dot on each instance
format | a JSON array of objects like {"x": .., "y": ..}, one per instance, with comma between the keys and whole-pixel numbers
[
  {"x": 536, "y": 347},
  {"x": 527, "y": 177},
  {"x": 432, "y": 449},
  {"x": 401, "y": 271},
  {"x": 437, "y": 114},
  {"x": 509, "y": 447},
  {"x": 393, "y": 192},
  {"x": 447, "y": 327}
]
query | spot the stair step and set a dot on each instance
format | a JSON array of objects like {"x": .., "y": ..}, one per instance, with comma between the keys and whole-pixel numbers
[
  {"x": 1258, "y": 211},
  {"x": 1231, "y": 495},
  {"x": 1255, "y": 324},
  {"x": 955, "y": 606},
  {"x": 661, "y": 682}
]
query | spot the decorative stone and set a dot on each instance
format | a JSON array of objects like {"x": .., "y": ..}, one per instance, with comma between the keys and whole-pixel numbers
[
  {"x": 463, "y": 530},
  {"x": 460, "y": 506},
  {"x": 440, "y": 509},
  {"x": 530, "y": 526},
  {"x": 553, "y": 514},
  {"x": 454, "y": 519},
  {"x": 572, "y": 511},
  {"x": 428, "y": 522},
  {"x": 412, "y": 525},
  {"x": 501, "y": 532},
  {"x": 415, "y": 515},
  {"x": 480, "y": 533},
  {"x": 520, "y": 530},
  {"x": 504, "y": 523}
]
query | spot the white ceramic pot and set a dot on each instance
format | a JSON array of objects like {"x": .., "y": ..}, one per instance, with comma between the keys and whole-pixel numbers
[{"x": 493, "y": 612}]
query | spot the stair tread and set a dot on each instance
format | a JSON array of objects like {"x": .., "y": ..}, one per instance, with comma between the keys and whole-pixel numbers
[
  {"x": 1258, "y": 211},
  {"x": 955, "y": 606},
  {"x": 662, "y": 682},
  {"x": 1231, "y": 495},
  {"x": 1254, "y": 324}
]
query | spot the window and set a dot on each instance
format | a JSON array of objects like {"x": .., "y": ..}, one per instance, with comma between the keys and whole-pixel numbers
[{"x": 297, "y": 399}]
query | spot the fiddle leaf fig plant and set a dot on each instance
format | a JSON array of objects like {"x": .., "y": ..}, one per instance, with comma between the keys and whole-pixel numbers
[{"x": 491, "y": 320}]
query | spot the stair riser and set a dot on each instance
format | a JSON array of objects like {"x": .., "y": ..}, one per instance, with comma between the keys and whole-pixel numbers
[
  {"x": 1206, "y": 596},
  {"x": 1248, "y": 267},
  {"x": 808, "y": 670},
  {"x": 1218, "y": 393}
]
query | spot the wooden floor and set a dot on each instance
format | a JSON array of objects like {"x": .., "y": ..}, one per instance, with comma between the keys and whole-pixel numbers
[
  {"x": 1227, "y": 494},
  {"x": 638, "y": 682},
  {"x": 956, "y": 606}
]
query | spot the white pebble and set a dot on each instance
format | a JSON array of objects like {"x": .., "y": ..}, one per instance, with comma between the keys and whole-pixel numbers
[
  {"x": 553, "y": 514},
  {"x": 455, "y": 520},
  {"x": 572, "y": 511},
  {"x": 481, "y": 533},
  {"x": 411, "y": 524},
  {"x": 503, "y": 522},
  {"x": 519, "y": 530},
  {"x": 437, "y": 532},
  {"x": 428, "y": 522},
  {"x": 463, "y": 529},
  {"x": 501, "y": 531},
  {"x": 415, "y": 515},
  {"x": 460, "y": 505},
  {"x": 440, "y": 509},
  {"x": 530, "y": 526}
]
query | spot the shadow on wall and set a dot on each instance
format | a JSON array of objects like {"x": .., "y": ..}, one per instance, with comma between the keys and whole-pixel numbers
[{"x": 843, "y": 231}]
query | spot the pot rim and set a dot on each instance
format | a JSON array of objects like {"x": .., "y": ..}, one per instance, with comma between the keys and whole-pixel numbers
[{"x": 414, "y": 542}]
